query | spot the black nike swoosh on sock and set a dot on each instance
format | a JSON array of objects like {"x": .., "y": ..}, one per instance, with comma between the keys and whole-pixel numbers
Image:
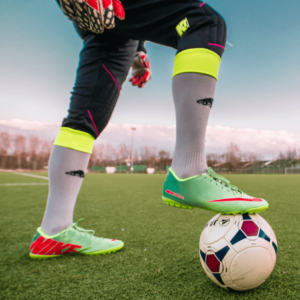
[
  {"x": 78, "y": 173},
  {"x": 206, "y": 101}
]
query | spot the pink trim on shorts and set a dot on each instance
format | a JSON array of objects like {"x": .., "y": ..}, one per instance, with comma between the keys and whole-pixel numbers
[
  {"x": 111, "y": 77},
  {"x": 202, "y": 4},
  {"x": 217, "y": 45},
  {"x": 93, "y": 122}
]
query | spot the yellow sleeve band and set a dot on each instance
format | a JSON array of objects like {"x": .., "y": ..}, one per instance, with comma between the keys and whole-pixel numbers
[
  {"x": 197, "y": 60},
  {"x": 74, "y": 139}
]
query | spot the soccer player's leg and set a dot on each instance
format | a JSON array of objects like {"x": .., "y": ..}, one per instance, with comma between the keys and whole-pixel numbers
[
  {"x": 104, "y": 65},
  {"x": 190, "y": 183}
]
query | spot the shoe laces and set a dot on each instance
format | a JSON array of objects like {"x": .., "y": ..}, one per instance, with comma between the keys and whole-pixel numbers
[
  {"x": 220, "y": 179},
  {"x": 79, "y": 230}
]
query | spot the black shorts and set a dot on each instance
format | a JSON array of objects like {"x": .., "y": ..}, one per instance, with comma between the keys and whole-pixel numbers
[{"x": 106, "y": 58}]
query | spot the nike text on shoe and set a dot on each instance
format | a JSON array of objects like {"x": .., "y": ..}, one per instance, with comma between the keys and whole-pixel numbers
[
  {"x": 72, "y": 240},
  {"x": 209, "y": 191}
]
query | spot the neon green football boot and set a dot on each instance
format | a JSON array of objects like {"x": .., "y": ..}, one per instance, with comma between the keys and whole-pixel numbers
[
  {"x": 209, "y": 191},
  {"x": 72, "y": 240}
]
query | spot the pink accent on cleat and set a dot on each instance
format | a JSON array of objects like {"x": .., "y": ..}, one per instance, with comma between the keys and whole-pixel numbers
[
  {"x": 113, "y": 240},
  {"x": 43, "y": 246},
  {"x": 175, "y": 194},
  {"x": 202, "y": 4},
  {"x": 237, "y": 199}
]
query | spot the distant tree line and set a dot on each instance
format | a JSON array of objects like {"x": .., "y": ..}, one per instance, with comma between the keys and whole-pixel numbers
[
  {"x": 235, "y": 160},
  {"x": 108, "y": 155},
  {"x": 21, "y": 152}
]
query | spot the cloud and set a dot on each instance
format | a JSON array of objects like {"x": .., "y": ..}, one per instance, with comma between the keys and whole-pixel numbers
[
  {"x": 29, "y": 125},
  {"x": 41, "y": 129},
  {"x": 266, "y": 142}
]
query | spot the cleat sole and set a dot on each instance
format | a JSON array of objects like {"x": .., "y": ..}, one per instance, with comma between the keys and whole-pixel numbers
[
  {"x": 176, "y": 204},
  {"x": 40, "y": 257},
  {"x": 107, "y": 251},
  {"x": 250, "y": 211}
]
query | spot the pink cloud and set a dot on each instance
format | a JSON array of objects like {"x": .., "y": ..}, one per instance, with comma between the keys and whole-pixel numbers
[{"x": 267, "y": 142}]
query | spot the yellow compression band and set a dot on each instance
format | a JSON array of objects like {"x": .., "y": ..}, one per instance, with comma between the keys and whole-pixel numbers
[
  {"x": 197, "y": 60},
  {"x": 74, "y": 139}
]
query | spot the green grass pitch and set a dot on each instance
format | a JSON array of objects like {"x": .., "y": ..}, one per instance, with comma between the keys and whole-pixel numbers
[{"x": 160, "y": 259}]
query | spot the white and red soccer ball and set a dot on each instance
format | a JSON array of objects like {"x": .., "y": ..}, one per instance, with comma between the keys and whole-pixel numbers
[{"x": 238, "y": 252}]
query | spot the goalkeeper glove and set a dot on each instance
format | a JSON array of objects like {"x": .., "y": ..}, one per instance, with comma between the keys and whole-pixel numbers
[
  {"x": 141, "y": 72},
  {"x": 93, "y": 15}
]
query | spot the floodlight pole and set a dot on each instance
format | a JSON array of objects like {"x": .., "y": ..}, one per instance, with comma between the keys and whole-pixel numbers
[{"x": 131, "y": 158}]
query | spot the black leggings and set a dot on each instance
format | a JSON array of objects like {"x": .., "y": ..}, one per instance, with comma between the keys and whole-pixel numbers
[{"x": 105, "y": 59}]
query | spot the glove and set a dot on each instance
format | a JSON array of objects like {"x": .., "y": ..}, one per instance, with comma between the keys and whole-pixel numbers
[
  {"x": 93, "y": 15},
  {"x": 141, "y": 72}
]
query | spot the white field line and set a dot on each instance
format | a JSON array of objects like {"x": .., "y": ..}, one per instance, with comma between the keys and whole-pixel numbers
[
  {"x": 14, "y": 184},
  {"x": 30, "y": 175}
]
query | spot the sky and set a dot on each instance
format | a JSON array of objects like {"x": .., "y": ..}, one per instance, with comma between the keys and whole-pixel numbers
[{"x": 258, "y": 87}]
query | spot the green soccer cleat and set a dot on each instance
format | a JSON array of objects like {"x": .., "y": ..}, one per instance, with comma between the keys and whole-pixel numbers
[
  {"x": 209, "y": 191},
  {"x": 72, "y": 240}
]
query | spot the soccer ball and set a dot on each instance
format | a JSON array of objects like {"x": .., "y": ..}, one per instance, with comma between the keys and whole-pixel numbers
[{"x": 238, "y": 252}]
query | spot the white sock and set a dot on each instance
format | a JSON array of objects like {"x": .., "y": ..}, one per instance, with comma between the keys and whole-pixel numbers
[
  {"x": 66, "y": 172},
  {"x": 192, "y": 94}
]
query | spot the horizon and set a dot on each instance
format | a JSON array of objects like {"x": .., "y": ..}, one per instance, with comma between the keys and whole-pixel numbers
[{"x": 265, "y": 143}]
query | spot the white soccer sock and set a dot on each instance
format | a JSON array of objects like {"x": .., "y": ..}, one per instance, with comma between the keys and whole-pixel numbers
[
  {"x": 192, "y": 94},
  {"x": 66, "y": 171}
]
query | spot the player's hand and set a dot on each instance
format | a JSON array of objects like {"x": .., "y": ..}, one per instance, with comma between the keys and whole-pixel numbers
[
  {"x": 93, "y": 15},
  {"x": 141, "y": 72}
]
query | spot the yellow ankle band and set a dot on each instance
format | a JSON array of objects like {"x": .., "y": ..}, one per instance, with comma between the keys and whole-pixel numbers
[{"x": 74, "y": 139}]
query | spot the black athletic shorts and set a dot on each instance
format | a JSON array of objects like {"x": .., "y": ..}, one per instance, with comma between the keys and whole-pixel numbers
[{"x": 106, "y": 58}]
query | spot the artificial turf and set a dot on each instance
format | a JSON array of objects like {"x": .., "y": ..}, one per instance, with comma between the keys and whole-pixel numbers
[{"x": 160, "y": 259}]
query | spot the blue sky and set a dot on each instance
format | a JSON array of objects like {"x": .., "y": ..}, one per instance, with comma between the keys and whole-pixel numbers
[{"x": 259, "y": 76}]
